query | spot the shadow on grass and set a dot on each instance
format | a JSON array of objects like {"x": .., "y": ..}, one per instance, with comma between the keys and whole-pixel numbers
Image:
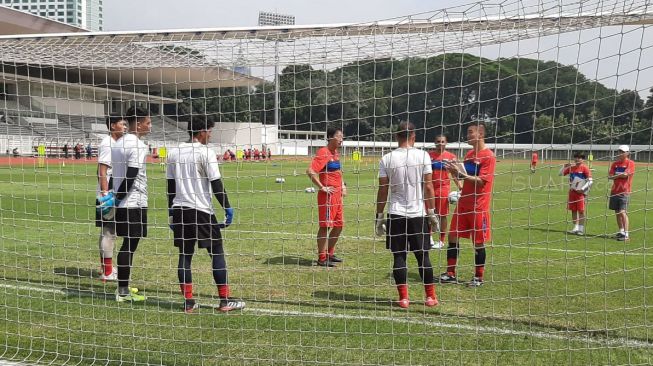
[
  {"x": 600, "y": 236},
  {"x": 344, "y": 298},
  {"x": 289, "y": 260},
  {"x": 76, "y": 272}
]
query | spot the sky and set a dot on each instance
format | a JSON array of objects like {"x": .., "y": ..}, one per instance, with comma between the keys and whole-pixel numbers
[
  {"x": 174, "y": 14},
  {"x": 618, "y": 57}
]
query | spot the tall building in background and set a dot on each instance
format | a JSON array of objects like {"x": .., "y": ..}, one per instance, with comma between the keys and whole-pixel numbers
[{"x": 85, "y": 14}]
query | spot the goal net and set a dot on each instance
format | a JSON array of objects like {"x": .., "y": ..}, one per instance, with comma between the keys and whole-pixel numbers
[{"x": 556, "y": 79}]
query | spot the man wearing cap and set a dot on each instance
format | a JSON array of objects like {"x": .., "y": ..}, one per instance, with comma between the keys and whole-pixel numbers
[{"x": 621, "y": 173}]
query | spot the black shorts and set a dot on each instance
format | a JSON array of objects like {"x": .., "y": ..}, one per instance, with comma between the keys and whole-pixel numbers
[
  {"x": 131, "y": 222},
  {"x": 190, "y": 225},
  {"x": 619, "y": 202},
  {"x": 407, "y": 233}
]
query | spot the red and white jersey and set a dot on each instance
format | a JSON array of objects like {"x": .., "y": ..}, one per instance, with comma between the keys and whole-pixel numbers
[
  {"x": 441, "y": 180},
  {"x": 623, "y": 185},
  {"x": 577, "y": 172},
  {"x": 326, "y": 164},
  {"x": 477, "y": 198}
]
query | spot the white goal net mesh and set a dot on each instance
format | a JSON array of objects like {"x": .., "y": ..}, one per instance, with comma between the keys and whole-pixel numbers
[{"x": 551, "y": 78}]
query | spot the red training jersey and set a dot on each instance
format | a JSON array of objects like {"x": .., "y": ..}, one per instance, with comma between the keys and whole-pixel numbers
[
  {"x": 476, "y": 198},
  {"x": 624, "y": 184},
  {"x": 441, "y": 181},
  {"x": 327, "y": 164},
  {"x": 534, "y": 158}
]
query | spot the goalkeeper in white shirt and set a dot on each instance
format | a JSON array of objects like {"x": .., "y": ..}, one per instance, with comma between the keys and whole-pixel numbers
[
  {"x": 406, "y": 173},
  {"x": 193, "y": 175},
  {"x": 117, "y": 127}
]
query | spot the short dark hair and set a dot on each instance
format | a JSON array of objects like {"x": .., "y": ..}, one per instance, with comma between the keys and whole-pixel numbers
[
  {"x": 198, "y": 124},
  {"x": 479, "y": 124},
  {"x": 404, "y": 130},
  {"x": 579, "y": 154},
  {"x": 113, "y": 118},
  {"x": 331, "y": 131},
  {"x": 134, "y": 113},
  {"x": 441, "y": 135}
]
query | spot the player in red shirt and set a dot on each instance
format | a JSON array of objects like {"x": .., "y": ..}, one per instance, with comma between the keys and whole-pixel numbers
[
  {"x": 325, "y": 172},
  {"x": 441, "y": 184},
  {"x": 580, "y": 181},
  {"x": 621, "y": 173},
  {"x": 472, "y": 216},
  {"x": 534, "y": 158}
]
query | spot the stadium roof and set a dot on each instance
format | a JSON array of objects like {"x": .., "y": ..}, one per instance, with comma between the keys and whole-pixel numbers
[
  {"x": 16, "y": 22},
  {"x": 108, "y": 64}
]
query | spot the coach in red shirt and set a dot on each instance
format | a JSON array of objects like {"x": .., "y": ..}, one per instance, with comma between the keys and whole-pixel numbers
[
  {"x": 621, "y": 173},
  {"x": 325, "y": 172},
  {"x": 472, "y": 216}
]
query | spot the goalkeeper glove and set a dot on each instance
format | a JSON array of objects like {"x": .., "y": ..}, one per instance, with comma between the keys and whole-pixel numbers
[
  {"x": 108, "y": 205},
  {"x": 170, "y": 219},
  {"x": 228, "y": 216},
  {"x": 379, "y": 224},
  {"x": 433, "y": 220}
]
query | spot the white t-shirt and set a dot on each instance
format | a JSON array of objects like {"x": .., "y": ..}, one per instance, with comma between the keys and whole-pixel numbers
[
  {"x": 193, "y": 166},
  {"x": 405, "y": 169},
  {"x": 104, "y": 157},
  {"x": 129, "y": 151}
]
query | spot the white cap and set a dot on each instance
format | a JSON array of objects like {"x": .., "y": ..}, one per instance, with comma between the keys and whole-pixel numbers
[{"x": 624, "y": 148}]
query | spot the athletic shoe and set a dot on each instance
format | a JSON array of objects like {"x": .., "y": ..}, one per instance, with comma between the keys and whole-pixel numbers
[
  {"x": 573, "y": 232},
  {"x": 190, "y": 306},
  {"x": 230, "y": 304},
  {"x": 430, "y": 301},
  {"x": 437, "y": 245},
  {"x": 623, "y": 238},
  {"x": 325, "y": 263},
  {"x": 131, "y": 297},
  {"x": 619, "y": 235},
  {"x": 580, "y": 232},
  {"x": 113, "y": 276},
  {"x": 475, "y": 282},
  {"x": 403, "y": 303},
  {"x": 447, "y": 278},
  {"x": 334, "y": 259}
]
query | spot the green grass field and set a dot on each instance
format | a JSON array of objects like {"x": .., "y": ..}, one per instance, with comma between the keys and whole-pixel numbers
[{"x": 549, "y": 298}]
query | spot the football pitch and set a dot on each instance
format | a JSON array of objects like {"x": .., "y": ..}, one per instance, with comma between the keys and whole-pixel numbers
[{"x": 549, "y": 297}]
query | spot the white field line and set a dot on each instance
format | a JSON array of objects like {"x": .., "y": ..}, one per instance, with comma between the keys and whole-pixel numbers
[{"x": 608, "y": 342}]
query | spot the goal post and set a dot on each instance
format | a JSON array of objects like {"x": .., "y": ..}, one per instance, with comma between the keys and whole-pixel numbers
[{"x": 548, "y": 80}]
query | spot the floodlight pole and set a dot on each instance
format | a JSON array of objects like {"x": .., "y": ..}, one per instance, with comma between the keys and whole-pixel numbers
[
  {"x": 276, "y": 83},
  {"x": 275, "y": 19}
]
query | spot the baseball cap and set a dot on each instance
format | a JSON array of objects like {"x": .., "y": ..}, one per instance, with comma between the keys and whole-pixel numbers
[{"x": 624, "y": 148}]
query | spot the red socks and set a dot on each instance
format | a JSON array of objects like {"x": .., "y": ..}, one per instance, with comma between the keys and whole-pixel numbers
[
  {"x": 322, "y": 256},
  {"x": 186, "y": 290},
  {"x": 223, "y": 291},
  {"x": 332, "y": 251},
  {"x": 403, "y": 291},
  {"x": 451, "y": 266},
  {"x": 107, "y": 266},
  {"x": 480, "y": 270},
  {"x": 429, "y": 290}
]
